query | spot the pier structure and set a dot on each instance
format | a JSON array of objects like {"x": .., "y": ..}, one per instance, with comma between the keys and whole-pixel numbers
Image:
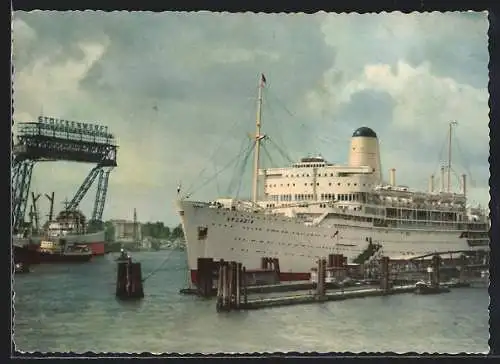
[
  {"x": 331, "y": 280},
  {"x": 462, "y": 264},
  {"x": 51, "y": 139},
  {"x": 232, "y": 291},
  {"x": 323, "y": 291}
]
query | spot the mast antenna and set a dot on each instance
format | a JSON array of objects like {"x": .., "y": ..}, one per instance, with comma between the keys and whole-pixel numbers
[
  {"x": 258, "y": 137},
  {"x": 453, "y": 123}
]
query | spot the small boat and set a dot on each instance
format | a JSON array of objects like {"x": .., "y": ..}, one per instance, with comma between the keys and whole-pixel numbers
[
  {"x": 422, "y": 287},
  {"x": 60, "y": 252},
  {"x": 22, "y": 268}
]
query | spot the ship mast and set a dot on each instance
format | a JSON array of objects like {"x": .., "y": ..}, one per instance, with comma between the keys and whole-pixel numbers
[
  {"x": 258, "y": 137},
  {"x": 135, "y": 227},
  {"x": 449, "y": 155}
]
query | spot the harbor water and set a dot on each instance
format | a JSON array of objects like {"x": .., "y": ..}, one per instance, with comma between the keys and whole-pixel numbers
[{"x": 62, "y": 308}]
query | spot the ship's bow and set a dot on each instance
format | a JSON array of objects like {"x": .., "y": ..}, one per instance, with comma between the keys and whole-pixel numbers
[{"x": 194, "y": 217}]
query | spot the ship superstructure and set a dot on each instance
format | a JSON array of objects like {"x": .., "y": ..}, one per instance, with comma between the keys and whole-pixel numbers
[{"x": 313, "y": 208}]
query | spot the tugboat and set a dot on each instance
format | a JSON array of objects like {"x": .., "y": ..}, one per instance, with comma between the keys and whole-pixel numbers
[{"x": 60, "y": 251}]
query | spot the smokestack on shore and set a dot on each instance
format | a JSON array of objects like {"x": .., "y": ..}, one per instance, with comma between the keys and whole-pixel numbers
[
  {"x": 431, "y": 184},
  {"x": 392, "y": 176}
]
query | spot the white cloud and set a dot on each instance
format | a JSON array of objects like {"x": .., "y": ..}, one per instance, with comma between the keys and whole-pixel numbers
[
  {"x": 53, "y": 87},
  {"x": 426, "y": 103}
]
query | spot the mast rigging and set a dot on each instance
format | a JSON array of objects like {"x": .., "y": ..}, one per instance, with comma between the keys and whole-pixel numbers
[{"x": 258, "y": 137}]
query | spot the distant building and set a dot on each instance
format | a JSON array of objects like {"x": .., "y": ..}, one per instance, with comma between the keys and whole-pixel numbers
[
  {"x": 147, "y": 242},
  {"x": 124, "y": 230}
]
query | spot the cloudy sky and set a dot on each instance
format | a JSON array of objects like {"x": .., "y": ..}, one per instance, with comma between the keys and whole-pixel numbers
[{"x": 179, "y": 91}]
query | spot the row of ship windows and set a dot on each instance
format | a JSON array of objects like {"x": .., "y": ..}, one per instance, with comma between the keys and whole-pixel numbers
[
  {"x": 277, "y": 253},
  {"x": 270, "y": 230},
  {"x": 337, "y": 249},
  {"x": 290, "y": 232},
  {"x": 340, "y": 174},
  {"x": 317, "y": 184},
  {"x": 323, "y": 197},
  {"x": 407, "y": 233},
  {"x": 303, "y": 245},
  {"x": 403, "y": 233}
]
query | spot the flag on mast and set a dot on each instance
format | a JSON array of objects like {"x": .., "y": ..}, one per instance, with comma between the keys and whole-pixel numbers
[{"x": 262, "y": 80}]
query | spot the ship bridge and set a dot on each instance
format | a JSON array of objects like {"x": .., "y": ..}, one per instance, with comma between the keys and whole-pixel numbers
[{"x": 310, "y": 162}]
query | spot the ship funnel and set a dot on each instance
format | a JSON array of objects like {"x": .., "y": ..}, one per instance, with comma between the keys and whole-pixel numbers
[
  {"x": 392, "y": 176},
  {"x": 431, "y": 183},
  {"x": 464, "y": 184},
  {"x": 442, "y": 179},
  {"x": 364, "y": 151}
]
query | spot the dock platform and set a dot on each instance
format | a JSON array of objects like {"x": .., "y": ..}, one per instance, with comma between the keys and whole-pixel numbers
[
  {"x": 329, "y": 283},
  {"x": 267, "y": 288},
  {"x": 329, "y": 296}
]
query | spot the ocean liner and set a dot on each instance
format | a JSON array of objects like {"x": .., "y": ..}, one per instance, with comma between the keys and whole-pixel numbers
[{"x": 313, "y": 208}]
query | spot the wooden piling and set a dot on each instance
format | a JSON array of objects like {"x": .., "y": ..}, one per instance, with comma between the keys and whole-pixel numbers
[
  {"x": 129, "y": 281},
  {"x": 204, "y": 276},
  {"x": 231, "y": 285},
  {"x": 384, "y": 271},
  {"x": 224, "y": 286},
  {"x": 463, "y": 274},
  {"x": 245, "y": 292},
  {"x": 330, "y": 260},
  {"x": 234, "y": 286},
  {"x": 264, "y": 263},
  {"x": 321, "y": 285},
  {"x": 231, "y": 276},
  {"x": 436, "y": 263},
  {"x": 276, "y": 265},
  {"x": 319, "y": 278},
  {"x": 342, "y": 266},
  {"x": 238, "y": 285},
  {"x": 220, "y": 285}
]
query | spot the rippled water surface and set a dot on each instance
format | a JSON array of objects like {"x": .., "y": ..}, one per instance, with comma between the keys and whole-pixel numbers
[{"x": 73, "y": 308}]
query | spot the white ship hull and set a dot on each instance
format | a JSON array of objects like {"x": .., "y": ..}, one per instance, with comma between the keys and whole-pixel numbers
[{"x": 246, "y": 237}]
